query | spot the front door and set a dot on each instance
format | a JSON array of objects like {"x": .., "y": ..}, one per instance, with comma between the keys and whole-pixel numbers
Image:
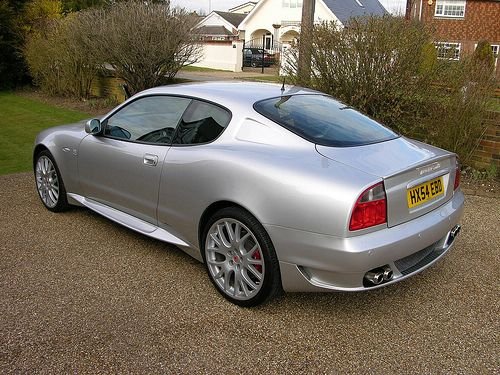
[{"x": 122, "y": 166}]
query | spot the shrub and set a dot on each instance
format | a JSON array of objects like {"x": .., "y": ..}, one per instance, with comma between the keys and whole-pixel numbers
[
  {"x": 144, "y": 43},
  {"x": 60, "y": 59},
  {"x": 387, "y": 67}
]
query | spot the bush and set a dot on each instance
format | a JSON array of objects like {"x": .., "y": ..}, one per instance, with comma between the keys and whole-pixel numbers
[
  {"x": 145, "y": 43},
  {"x": 60, "y": 59},
  {"x": 388, "y": 68},
  {"x": 455, "y": 118}
]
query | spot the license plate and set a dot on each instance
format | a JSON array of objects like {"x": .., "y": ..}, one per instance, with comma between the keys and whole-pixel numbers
[{"x": 425, "y": 192}]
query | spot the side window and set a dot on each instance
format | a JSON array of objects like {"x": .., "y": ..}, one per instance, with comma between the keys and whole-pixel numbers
[
  {"x": 202, "y": 123},
  {"x": 151, "y": 119}
]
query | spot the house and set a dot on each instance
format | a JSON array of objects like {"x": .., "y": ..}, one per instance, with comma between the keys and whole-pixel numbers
[
  {"x": 244, "y": 8},
  {"x": 219, "y": 35},
  {"x": 278, "y": 21},
  {"x": 220, "y": 26},
  {"x": 460, "y": 24},
  {"x": 270, "y": 24}
]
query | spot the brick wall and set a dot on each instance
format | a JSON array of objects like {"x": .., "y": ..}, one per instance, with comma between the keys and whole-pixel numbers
[
  {"x": 488, "y": 151},
  {"x": 481, "y": 22}
]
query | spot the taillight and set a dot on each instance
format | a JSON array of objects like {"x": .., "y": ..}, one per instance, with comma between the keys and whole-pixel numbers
[
  {"x": 370, "y": 208},
  {"x": 457, "y": 176}
]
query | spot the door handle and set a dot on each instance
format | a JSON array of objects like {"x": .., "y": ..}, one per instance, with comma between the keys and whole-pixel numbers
[{"x": 151, "y": 160}]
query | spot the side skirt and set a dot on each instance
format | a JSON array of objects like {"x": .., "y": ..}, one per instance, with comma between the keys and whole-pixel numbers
[{"x": 136, "y": 224}]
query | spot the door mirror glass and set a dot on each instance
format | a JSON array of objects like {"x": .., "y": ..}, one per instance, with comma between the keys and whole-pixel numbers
[{"x": 93, "y": 126}]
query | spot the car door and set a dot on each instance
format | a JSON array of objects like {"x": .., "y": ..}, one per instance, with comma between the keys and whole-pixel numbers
[
  {"x": 122, "y": 166},
  {"x": 189, "y": 168}
]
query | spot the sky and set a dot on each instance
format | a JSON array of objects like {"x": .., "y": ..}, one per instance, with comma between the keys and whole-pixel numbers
[{"x": 224, "y": 5}]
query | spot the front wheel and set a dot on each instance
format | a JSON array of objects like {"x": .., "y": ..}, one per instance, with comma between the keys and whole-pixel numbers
[
  {"x": 240, "y": 258},
  {"x": 49, "y": 183}
]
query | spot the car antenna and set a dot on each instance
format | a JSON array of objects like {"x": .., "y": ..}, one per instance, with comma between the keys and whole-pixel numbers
[{"x": 283, "y": 86}]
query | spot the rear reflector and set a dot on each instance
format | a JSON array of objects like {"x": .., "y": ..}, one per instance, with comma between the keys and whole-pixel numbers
[
  {"x": 370, "y": 208},
  {"x": 457, "y": 177}
]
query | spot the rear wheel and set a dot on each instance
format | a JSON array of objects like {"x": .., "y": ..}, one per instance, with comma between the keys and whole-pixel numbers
[
  {"x": 49, "y": 183},
  {"x": 240, "y": 258}
]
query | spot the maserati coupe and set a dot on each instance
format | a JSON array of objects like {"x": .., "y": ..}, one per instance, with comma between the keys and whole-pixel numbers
[{"x": 273, "y": 188}]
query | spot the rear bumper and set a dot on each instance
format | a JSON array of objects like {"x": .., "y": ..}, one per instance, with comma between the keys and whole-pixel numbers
[{"x": 317, "y": 262}]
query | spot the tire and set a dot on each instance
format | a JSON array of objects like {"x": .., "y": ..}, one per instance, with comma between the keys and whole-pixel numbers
[
  {"x": 239, "y": 258},
  {"x": 253, "y": 64},
  {"x": 49, "y": 183}
]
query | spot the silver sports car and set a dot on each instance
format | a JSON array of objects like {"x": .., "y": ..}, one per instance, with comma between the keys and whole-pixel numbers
[{"x": 273, "y": 188}]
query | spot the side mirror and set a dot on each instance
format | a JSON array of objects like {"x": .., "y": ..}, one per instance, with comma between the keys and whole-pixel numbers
[{"x": 93, "y": 126}]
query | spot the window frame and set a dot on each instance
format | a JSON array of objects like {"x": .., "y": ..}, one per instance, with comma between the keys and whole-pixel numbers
[
  {"x": 445, "y": 3},
  {"x": 104, "y": 121},
  {"x": 447, "y": 45}
]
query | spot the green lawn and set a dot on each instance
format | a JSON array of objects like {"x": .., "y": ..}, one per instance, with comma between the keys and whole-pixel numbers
[
  {"x": 20, "y": 121},
  {"x": 191, "y": 68}
]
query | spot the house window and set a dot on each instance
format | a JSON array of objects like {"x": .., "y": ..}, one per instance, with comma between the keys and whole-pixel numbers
[
  {"x": 495, "y": 48},
  {"x": 450, "y": 8},
  {"x": 449, "y": 51},
  {"x": 292, "y": 3}
]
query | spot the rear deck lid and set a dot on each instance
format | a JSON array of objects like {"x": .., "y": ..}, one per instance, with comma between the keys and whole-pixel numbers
[{"x": 418, "y": 178}]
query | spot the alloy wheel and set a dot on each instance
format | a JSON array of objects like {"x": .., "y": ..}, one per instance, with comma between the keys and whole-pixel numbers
[
  {"x": 47, "y": 182},
  {"x": 234, "y": 259}
]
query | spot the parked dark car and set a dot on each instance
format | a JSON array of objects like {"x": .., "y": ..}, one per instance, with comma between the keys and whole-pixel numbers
[{"x": 253, "y": 57}]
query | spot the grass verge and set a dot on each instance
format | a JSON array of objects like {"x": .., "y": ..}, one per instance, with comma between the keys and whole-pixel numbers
[
  {"x": 191, "y": 68},
  {"x": 20, "y": 121}
]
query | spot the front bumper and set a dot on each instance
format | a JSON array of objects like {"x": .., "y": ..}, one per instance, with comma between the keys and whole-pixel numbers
[{"x": 318, "y": 262}]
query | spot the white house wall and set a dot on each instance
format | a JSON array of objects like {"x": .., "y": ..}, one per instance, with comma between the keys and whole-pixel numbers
[
  {"x": 270, "y": 12},
  {"x": 222, "y": 55}
]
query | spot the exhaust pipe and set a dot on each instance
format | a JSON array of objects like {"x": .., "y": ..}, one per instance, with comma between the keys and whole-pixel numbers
[
  {"x": 388, "y": 274},
  {"x": 375, "y": 277},
  {"x": 455, "y": 231},
  {"x": 453, "y": 234}
]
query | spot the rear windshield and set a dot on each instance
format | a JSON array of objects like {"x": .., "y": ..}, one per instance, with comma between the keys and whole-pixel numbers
[{"x": 323, "y": 120}]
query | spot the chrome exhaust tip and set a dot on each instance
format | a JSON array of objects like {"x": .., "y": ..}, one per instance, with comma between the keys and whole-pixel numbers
[
  {"x": 388, "y": 273},
  {"x": 375, "y": 277},
  {"x": 455, "y": 231}
]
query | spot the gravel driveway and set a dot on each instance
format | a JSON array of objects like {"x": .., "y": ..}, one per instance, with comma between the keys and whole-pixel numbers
[{"x": 82, "y": 294}]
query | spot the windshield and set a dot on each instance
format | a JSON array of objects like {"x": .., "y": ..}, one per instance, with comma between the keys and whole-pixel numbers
[{"x": 323, "y": 120}]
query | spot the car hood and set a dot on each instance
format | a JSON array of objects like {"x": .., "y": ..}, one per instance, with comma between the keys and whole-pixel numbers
[{"x": 384, "y": 159}]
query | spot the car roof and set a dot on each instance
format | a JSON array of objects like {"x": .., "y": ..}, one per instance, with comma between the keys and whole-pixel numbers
[{"x": 229, "y": 93}]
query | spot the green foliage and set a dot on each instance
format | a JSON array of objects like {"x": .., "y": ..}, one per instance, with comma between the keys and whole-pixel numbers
[
  {"x": 77, "y": 5},
  {"x": 12, "y": 68},
  {"x": 144, "y": 43},
  {"x": 458, "y": 106},
  {"x": 429, "y": 59},
  {"x": 61, "y": 59},
  {"x": 388, "y": 68},
  {"x": 39, "y": 14},
  {"x": 16, "y": 141},
  {"x": 483, "y": 57}
]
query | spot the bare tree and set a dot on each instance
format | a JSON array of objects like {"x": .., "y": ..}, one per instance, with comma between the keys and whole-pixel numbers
[{"x": 145, "y": 43}]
